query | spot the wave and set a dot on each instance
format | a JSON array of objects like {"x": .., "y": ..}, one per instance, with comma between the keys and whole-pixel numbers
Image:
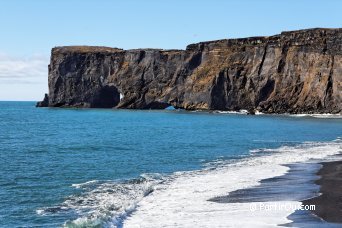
[
  {"x": 104, "y": 203},
  {"x": 181, "y": 199},
  {"x": 239, "y": 112},
  {"x": 245, "y": 112},
  {"x": 321, "y": 116},
  {"x": 184, "y": 202},
  {"x": 85, "y": 184},
  {"x": 242, "y": 111}
]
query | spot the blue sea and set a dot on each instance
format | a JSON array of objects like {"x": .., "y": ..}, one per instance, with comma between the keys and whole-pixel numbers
[{"x": 132, "y": 168}]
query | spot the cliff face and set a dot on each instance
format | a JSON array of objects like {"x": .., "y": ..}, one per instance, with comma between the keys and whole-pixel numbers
[{"x": 294, "y": 72}]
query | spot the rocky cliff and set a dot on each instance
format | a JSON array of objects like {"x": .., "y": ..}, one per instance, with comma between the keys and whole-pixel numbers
[{"x": 294, "y": 72}]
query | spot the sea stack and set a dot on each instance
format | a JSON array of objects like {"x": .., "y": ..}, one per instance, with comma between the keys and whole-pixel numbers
[{"x": 294, "y": 72}]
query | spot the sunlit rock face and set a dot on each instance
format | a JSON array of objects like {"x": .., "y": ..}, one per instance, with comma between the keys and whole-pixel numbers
[{"x": 294, "y": 72}]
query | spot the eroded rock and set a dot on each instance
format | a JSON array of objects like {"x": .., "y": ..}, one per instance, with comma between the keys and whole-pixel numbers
[{"x": 294, "y": 72}]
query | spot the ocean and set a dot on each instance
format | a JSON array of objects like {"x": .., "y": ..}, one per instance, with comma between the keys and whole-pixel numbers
[{"x": 148, "y": 168}]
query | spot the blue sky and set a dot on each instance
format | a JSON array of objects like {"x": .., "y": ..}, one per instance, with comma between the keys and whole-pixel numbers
[{"x": 29, "y": 29}]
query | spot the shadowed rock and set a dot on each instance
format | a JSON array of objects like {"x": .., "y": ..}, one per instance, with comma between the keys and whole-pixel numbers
[{"x": 44, "y": 102}]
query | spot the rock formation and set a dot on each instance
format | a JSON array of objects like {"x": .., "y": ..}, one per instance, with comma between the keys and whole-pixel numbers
[{"x": 294, "y": 72}]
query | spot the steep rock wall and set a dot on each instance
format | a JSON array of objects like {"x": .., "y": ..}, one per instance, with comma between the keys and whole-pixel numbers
[{"x": 294, "y": 72}]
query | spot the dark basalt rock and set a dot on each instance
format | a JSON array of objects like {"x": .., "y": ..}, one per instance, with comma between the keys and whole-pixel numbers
[
  {"x": 44, "y": 102},
  {"x": 294, "y": 72}
]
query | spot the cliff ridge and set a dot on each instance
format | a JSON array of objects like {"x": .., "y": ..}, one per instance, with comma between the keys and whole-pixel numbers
[{"x": 293, "y": 72}]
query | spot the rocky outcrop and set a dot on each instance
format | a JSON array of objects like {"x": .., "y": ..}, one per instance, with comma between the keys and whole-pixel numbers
[
  {"x": 294, "y": 72},
  {"x": 44, "y": 102}
]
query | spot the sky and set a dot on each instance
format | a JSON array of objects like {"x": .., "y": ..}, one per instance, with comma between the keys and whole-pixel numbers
[{"x": 30, "y": 28}]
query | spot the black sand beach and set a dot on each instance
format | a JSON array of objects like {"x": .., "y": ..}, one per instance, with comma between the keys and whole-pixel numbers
[
  {"x": 304, "y": 180},
  {"x": 329, "y": 203}
]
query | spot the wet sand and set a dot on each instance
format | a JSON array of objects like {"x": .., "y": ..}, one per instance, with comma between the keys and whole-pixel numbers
[
  {"x": 329, "y": 203},
  {"x": 301, "y": 182}
]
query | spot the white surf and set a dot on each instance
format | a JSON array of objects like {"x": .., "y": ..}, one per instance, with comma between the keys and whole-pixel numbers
[{"x": 183, "y": 201}]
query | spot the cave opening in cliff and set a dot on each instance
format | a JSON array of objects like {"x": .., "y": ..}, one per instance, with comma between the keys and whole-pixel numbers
[{"x": 107, "y": 97}]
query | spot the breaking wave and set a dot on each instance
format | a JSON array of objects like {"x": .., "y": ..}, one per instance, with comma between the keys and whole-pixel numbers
[
  {"x": 181, "y": 199},
  {"x": 185, "y": 201},
  {"x": 321, "y": 116},
  {"x": 104, "y": 203}
]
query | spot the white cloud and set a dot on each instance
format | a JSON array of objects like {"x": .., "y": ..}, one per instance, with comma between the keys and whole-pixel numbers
[
  {"x": 23, "y": 78},
  {"x": 32, "y": 69}
]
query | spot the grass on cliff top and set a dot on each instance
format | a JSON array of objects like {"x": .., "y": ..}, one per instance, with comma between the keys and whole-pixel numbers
[{"x": 85, "y": 49}]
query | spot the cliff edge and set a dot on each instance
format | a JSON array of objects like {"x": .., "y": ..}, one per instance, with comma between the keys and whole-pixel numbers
[{"x": 294, "y": 72}]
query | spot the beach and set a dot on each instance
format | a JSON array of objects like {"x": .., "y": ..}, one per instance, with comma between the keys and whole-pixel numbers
[{"x": 329, "y": 202}]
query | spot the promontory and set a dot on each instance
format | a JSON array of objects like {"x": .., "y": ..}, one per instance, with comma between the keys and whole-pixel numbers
[{"x": 293, "y": 72}]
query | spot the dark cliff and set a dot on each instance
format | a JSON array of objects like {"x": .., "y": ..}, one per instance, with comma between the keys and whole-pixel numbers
[{"x": 294, "y": 72}]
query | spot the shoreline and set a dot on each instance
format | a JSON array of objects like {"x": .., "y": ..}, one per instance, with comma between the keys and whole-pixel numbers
[
  {"x": 304, "y": 184},
  {"x": 329, "y": 202},
  {"x": 225, "y": 195},
  {"x": 318, "y": 115}
]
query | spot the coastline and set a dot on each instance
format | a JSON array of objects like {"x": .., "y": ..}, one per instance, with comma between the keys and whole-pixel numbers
[
  {"x": 224, "y": 195},
  {"x": 318, "y": 183},
  {"x": 321, "y": 115},
  {"x": 329, "y": 202},
  {"x": 229, "y": 75}
]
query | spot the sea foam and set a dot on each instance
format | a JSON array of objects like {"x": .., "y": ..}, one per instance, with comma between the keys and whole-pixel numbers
[
  {"x": 322, "y": 116},
  {"x": 184, "y": 203},
  {"x": 182, "y": 198},
  {"x": 104, "y": 203}
]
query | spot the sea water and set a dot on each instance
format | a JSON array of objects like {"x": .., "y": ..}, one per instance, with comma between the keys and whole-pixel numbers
[{"x": 114, "y": 168}]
